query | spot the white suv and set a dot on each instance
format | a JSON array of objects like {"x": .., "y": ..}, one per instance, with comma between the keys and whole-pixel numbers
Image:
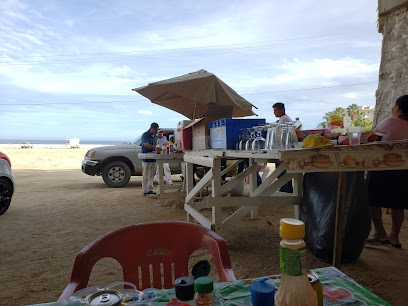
[{"x": 6, "y": 183}]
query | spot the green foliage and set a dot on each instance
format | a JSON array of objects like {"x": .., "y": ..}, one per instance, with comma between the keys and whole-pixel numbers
[{"x": 356, "y": 116}]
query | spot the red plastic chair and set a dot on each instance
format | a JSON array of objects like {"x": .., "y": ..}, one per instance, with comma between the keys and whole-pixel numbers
[{"x": 156, "y": 245}]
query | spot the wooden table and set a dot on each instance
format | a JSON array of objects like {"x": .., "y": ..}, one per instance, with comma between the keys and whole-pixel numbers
[
  {"x": 177, "y": 191},
  {"x": 296, "y": 162}
]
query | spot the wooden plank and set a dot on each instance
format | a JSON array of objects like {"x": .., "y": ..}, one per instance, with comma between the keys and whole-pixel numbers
[
  {"x": 199, "y": 160},
  {"x": 235, "y": 180},
  {"x": 228, "y": 223},
  {"x": 225, "y": 171},
  {"x": 203, "y": 183},
  {"x": 198, "y": 216},
  {"x": 275, "y": 186},
  {"x": 189, "y": 177},
  {"x": 339, "y": 225},
  {"x": 161, "y": 184},
  {"x": 271, "y": 178},
  {"x": 265, "y": 155},
  {"x": 253, "y": 183},
  {"x": 216, "y": 192}
]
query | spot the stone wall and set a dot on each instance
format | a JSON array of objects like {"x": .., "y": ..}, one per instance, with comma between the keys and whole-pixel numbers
[{"x": 393, "y": 76}]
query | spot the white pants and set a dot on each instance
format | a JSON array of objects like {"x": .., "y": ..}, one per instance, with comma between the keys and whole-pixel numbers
[
  {"x": 167, "y": 172},
  {"x": 148, "y": 176}
]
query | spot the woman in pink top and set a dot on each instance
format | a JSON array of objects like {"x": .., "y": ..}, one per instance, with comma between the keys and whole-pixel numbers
[{"x": 385, "y": 188}]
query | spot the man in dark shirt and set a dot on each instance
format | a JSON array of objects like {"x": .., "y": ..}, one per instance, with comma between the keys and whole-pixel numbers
[{"x": 148, "y": 143}]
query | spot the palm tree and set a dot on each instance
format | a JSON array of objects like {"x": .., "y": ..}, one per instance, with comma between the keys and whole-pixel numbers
[
  {"x": 339, "y": 111},
  {"x": 354, "y": 112}
]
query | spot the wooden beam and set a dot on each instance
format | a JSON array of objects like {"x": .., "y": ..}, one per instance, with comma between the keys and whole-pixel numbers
[
  {"x": 203, "y": 183},
  {"x": 199, "y": 160},
  {"x": 235, "y": 180},
  {"x": 275, "y": 186},
  {"x": 271, "y": 178},
  {"x": 236, "y": 163},
  {"x": 198, "y": 216},
  {"x": 216, "y": 192}
]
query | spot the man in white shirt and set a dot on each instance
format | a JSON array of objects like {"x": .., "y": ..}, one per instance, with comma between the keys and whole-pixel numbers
[
  {"x": 167, "y": 173},
  {"x": 279, "y": 111}
]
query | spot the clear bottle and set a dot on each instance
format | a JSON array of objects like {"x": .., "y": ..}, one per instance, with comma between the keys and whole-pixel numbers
[
  {"x": 298, "y": 124},
  {"x": 171, "y": 147},
  {"x": 294, "y": 288},
  {"x": 204, "y": 291}
]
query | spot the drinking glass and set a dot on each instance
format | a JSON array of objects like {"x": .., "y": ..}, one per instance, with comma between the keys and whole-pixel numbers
[
  {"x": 243, "y": 139},
  {"x": 248, "y": 144},
  {"x": 291, "y": 137},
  {"x": 283, "y": 136},
  {"x": 259, "y": 142}
]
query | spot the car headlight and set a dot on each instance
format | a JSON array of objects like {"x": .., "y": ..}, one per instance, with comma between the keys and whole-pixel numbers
[{"x": 90, "y": 153}]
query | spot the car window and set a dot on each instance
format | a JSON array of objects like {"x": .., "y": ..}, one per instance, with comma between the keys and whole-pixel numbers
[{"x": 136, "y": 141}]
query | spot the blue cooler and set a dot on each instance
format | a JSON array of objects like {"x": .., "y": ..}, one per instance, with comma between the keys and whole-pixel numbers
[{"x": 224, "y": 133}]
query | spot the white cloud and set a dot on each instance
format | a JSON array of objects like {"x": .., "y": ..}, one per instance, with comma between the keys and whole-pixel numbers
[
  {"x": 350, "y": 95},
  {"x": 144, "y": 112}
]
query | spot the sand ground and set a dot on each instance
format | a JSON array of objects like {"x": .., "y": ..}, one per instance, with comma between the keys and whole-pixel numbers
[{"x": 57, "y": 210}]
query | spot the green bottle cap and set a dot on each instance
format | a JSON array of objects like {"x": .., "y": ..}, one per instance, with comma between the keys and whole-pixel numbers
[{"x": 203, "y": 284}]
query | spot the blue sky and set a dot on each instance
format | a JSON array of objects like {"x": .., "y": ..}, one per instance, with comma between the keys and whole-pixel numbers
[{"x": 58, "y": 56}]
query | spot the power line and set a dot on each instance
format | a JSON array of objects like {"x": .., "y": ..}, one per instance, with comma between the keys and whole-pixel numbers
[
  {"x": 191, "y": 48},
  {"x": 141, "y": 56},
  {"x": 136, "y": 101}
]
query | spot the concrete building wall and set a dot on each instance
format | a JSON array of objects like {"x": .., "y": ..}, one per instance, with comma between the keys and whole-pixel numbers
[{"x": 393, "y": 74}]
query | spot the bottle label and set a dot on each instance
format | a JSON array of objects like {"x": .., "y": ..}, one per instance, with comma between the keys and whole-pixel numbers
[{"x": 293, "y": 262}]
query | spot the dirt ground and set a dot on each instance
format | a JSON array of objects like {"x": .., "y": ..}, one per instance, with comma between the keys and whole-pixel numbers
[{"x": 57, "y": 210}]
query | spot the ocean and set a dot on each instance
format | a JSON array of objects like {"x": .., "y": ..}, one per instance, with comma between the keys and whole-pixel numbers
[{"x": 62, "y": 142}]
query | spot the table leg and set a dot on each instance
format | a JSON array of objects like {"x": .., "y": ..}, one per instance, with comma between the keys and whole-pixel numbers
[
  {"x": 216, "y": 192},
  {"x": 161, "y": 185},
  {"x": 253, "y": 185},
  {"x": 189, "y": 182},
  {"x": 339, "y": 225}
]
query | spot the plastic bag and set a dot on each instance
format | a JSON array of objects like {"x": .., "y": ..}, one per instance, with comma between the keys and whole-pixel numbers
[{"x": 318, "y": 212}]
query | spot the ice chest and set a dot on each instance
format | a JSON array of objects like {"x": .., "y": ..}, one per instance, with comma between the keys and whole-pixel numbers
[{"x": 224, "y": 133}]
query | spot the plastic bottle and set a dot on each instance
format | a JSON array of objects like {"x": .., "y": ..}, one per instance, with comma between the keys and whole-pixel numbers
[
  {"x": 204, "y": 291},
  {"x": 158, "y": 148},
  {"x": 171, "y": 146},
  {"x": 298, "y": 124},
  {"x": 294, "y": 288}
]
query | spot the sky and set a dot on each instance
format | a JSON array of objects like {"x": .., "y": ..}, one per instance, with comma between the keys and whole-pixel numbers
[{"x": 67, "y": 68}]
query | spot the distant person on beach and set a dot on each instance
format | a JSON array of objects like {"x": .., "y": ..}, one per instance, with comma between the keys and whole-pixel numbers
[
  {"x": 387, "y": 188},
  {"x": 148, "y": 143},
  {"x": 279, "y": 111},
  {"x": 167, "y": 173}
]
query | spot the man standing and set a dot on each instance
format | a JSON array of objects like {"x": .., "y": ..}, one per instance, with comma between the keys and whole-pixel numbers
[
  {"x": 148, "y": 143},
  {"x": 279, "y": 111},
  {"x": 167, "y": 173}
]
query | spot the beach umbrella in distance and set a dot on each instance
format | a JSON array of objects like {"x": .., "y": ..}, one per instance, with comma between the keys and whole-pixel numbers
[{"x": 192, "y": 93}]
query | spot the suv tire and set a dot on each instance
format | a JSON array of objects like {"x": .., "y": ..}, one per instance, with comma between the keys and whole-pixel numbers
[
  {"x": 116, "y": 174},
  {"x": 6, "y": 192}
]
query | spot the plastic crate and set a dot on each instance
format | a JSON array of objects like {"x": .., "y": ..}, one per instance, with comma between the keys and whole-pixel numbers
[{"x": 224, "y": 133}]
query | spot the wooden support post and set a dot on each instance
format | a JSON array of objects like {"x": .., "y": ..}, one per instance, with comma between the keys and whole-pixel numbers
[
  {"x": 161, "y": 184},
  {"x": 189, "y": 182},
  {"x": 216, "y": 192},
  {"x": 253, "y": 184},
  {"x": 339, "y": 225}
]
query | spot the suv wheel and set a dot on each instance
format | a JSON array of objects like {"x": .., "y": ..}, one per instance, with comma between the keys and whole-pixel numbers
[
  {"x": 116, "y": 174},
  {"x": 6, "y": 192}
]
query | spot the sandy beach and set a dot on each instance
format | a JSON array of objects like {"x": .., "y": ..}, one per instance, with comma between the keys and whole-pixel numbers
[{"x": 57, "y": 210}]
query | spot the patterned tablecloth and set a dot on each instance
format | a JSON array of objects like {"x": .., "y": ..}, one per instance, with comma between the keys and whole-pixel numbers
[{"x": 338, "y": 289}]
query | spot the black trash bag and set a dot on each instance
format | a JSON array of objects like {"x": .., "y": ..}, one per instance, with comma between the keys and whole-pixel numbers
[{"x": 318, "y": 212}]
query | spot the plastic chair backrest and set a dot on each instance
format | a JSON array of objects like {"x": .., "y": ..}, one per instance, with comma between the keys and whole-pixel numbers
[{"x": 158, "y": 250}]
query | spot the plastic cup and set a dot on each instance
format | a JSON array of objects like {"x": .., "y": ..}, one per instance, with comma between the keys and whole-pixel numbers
[{"x": 354, "y": 134}]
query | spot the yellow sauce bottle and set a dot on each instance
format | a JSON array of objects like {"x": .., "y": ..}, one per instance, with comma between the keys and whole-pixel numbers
[{"x": 294, "y": 288}]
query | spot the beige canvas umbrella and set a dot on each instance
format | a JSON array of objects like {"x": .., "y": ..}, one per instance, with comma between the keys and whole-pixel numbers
[{"x": 192, "y": 93}]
